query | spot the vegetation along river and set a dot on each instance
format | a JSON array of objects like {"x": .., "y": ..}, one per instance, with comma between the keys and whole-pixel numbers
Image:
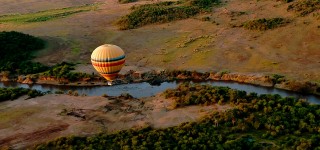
[{"x": 144, "y": 89}]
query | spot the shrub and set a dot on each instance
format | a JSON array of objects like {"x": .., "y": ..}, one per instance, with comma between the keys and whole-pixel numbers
[
  {"x": 34, "y": 93},
  {"x": 59, "y": 92},
  {"x": 126, "y": 96},
  {"x": 276, "y": 78},
  {"x": 203, "y": 4},
  {"x": 287, "y": 1},
  {"x": 304, "y": 7},
  {"x": 75, "y": 93},
  {"x": 126, "y": 1},
  {"x": 14, "y": 93},
  {"x": 265, "y": 24},
  {"x": 63, "y": 70},
  {"x": 70, "y": 92},
  {"x": 207, "y": 18}
]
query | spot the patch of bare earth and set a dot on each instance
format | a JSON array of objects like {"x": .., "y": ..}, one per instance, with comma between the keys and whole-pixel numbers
[{"x": 28, "y": 122}]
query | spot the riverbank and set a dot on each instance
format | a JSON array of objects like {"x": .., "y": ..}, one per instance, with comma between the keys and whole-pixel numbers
[{"x": 158, "y": 76}]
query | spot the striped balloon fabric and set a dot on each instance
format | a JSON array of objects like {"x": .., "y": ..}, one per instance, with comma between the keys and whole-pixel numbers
[{"x": 108, "y": 60}]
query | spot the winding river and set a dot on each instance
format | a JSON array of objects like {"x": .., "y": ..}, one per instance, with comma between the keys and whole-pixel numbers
[{"x": 145, "y": 89}]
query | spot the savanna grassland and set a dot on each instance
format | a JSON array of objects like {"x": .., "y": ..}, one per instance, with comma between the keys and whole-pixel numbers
[
  {"x": 222, "y": 37},
  {"x": 278, "y": 38}
]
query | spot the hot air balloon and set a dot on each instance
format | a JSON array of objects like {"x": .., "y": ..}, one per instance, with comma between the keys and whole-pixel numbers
[{"x": 108, "y": 60}]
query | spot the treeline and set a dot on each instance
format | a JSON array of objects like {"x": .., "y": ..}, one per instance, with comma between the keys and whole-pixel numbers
[
  {"x": 15, "y": 52},
  {"x": 14, "y": 93},
  {"x": 193, "y": 94},
  {"x": 256, "y": 122},
  {"x": 163, "y": 12},
  {"x": 266, "y": 111}
]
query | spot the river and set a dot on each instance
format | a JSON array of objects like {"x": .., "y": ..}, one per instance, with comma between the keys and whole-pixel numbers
[{"x": 145, "y": 89}]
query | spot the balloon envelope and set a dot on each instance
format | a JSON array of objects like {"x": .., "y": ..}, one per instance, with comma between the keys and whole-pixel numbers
[{"x": 108, "y": 60}]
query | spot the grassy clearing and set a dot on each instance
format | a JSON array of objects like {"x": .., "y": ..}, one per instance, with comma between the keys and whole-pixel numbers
[
  {"x": 265, "y": 24},
  {"x": 163, "y": 12},
  {"x": 185, "y": 49},
  {"x": 200, "y": 40},
  {"x": 304, "y": 7},
  {"x": 15, "y": 115},
  {"x": 75, "y": 47},
  {"x": 47, "y": 15}
]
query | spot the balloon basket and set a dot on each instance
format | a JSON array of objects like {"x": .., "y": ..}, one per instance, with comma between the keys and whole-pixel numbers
[{"x": 110, "y": 83}]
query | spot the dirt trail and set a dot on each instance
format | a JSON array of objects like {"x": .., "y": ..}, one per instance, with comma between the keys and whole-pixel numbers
[
  {"x": 28, "y": 122},
  {"x": 25, "y": 139}
]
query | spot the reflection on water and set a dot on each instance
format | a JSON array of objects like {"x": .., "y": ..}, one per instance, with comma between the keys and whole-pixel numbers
[{"x": 145, "y": 89}]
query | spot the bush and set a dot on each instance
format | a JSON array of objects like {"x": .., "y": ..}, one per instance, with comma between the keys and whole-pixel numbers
[
  {"x": 126, "y": 96},
  {"x": 304, "y": 7},
  {"x": 59, "y": 92},
  {"x": 70, "y": 92},
  {"x": 63, "y": 70},
  {"x": 203, "y": 4},
  {"x": 265, "y": 24},
  {"x": 126, "y": 1},
  {"x": 14, "y": 93},
  {"x": 75, "y": 93},
  {"x": 104, "y": 95},
  {"x": 34, "y": 93},
  {"x": 276, "y": 78},
  {"x": 287, "y": 1},
  {"x": 207, "y": 18}
]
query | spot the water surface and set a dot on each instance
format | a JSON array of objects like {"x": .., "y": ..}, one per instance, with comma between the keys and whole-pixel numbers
[{"x": 145, "y": 89}]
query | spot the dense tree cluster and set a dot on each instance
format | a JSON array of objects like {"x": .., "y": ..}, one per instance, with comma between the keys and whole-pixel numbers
[
  {"x": 15, "y": 52},
  {"x": 63, "y": 70},
  {"x": 14, "y": 93},
  {"x": 255, "y": 122},
  {"x": 163, "y": 12},
  {"x": 188, "y": 94}
]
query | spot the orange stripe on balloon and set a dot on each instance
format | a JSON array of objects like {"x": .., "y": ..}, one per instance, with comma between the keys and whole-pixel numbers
[
  {"x": 108, "y": 64},
  {"x": 110, "y": 76}
]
